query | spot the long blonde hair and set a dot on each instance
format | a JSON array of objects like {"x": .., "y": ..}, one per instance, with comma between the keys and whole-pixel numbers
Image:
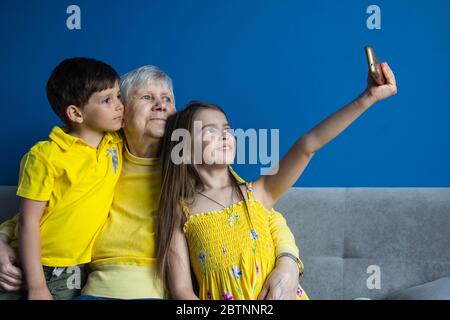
[{"x": 179, "y": 184}]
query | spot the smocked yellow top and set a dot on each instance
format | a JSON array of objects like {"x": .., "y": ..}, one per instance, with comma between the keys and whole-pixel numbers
[{"x": 231, "y": 253}]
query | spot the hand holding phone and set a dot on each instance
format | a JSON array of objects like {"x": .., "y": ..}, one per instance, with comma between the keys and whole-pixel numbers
[{"x": 374, "y": 66}]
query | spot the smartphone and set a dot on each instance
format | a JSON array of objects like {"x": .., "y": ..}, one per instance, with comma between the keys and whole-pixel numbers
[{"x": 374, "y": 66}]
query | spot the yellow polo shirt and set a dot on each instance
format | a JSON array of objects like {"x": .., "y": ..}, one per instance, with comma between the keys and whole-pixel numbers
[{"x": 77, "y": 181}]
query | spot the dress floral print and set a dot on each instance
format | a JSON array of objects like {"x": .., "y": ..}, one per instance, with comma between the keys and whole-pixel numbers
[{"x": 227, "y": 264}]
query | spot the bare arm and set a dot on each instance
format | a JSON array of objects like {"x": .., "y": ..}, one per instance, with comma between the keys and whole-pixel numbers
[
  {"x": 273, "y": 186},
  {"x": 180, "y": 283},
  {"x": 282, "y": 282},
  {"x": 30, "y": 248}
]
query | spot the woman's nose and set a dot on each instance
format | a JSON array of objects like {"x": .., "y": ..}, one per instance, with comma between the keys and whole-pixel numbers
[{"x": 159, "y": 105}]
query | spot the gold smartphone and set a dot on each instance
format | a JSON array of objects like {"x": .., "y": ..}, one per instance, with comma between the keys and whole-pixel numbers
[{"x": 374, "y": 66}]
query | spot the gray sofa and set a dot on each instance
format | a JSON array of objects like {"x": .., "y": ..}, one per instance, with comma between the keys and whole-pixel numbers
[
  {"x": 401, "y": 236},
  {"x": 404, "y": 233}
]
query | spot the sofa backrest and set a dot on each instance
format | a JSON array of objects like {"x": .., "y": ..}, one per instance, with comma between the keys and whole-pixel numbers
[
  {"x": 369, "y": 242},
  {"x": 9, "y": 202}
]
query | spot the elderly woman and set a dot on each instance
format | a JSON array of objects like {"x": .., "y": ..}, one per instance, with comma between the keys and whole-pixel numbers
[{"x": 124, "y": 255}]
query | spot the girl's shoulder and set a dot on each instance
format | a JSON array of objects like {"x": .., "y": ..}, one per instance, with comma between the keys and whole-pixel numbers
[{"x": 256, "y": 190}]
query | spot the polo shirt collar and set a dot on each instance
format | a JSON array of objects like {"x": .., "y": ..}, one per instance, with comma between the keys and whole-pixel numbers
[
  {"x": 66, "y": 141},
  {"x": 61, "y": 138}
]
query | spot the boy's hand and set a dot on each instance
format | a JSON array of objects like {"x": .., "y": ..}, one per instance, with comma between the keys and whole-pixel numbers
[
  {"x": 10, "y": 275},
  {"x": 380, "y": 92},
  {"x": 39, "y": 294}
]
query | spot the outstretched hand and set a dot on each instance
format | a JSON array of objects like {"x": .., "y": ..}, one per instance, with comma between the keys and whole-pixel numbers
[{"x": 380, "y": 92}]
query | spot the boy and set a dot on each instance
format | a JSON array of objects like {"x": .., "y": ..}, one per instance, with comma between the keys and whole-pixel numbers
[{"x": 66, "y": 183}]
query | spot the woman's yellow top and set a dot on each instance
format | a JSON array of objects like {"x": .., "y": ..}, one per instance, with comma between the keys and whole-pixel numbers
[{"x": 232, "y": 253}]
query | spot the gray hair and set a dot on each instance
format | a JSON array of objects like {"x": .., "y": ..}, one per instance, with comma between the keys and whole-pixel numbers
[{"x": 141, "y": 77}]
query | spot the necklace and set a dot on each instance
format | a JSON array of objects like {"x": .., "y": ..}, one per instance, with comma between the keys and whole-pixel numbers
[{"x": 230, "y": 215}]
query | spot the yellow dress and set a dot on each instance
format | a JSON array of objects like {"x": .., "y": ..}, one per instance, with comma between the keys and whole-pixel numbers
[{"x": 230, "y": 254}]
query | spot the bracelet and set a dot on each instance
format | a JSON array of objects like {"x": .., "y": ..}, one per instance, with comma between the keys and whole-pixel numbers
[{"x": 296, "y": 259}]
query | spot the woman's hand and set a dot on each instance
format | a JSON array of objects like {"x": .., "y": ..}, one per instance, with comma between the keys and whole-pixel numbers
[
  {"x": 380, "y": 92},
  {"x": 282, "y": 282},
  {"x": 10, "y": 275}
]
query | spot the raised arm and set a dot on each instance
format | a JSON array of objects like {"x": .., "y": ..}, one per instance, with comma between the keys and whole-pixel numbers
[
  {"x": 179, "y": 270},
  {"x": 30, "y": 249},
  {"x": 290, "y": 168}
]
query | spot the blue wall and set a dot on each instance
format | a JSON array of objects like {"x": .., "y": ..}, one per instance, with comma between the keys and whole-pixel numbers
[{"x": 271, "y": 64}]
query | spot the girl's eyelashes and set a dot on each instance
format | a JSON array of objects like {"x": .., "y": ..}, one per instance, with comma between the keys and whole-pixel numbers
[
  {"x": 146, "y": 97},
  {"x": 213, "y": 130},
  {"x": 107, "y": 100},
  {"x": 167, "y": 99},
  {"x": 210, "y": 130}
]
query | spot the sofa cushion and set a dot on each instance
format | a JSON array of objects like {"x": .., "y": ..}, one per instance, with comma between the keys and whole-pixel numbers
[{"x": 435, "y": 290}]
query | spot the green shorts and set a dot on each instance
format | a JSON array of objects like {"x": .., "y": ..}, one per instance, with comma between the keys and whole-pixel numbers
[{"x": 63, "y": 283}]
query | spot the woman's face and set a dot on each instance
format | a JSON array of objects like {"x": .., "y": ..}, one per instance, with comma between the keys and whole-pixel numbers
[
  {"x": 217, "y": 141},
  {"x": 148, "y": 109}
]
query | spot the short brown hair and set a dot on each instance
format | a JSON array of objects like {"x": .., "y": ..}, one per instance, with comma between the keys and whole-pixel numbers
[{"x": 74, "y": 80}]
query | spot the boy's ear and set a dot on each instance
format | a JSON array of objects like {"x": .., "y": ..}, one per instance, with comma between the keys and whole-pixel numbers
[{"x": 74, "y": 114}]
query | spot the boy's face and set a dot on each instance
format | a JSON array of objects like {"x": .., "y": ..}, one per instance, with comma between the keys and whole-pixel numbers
[{"x": 104, "y": 110}]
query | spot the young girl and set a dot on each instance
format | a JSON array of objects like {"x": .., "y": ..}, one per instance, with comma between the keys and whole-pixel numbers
[{"x": 209, "y": 221}]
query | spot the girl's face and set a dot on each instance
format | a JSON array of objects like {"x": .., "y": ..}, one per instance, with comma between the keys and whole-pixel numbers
[{"x": 217, "y": 141}]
